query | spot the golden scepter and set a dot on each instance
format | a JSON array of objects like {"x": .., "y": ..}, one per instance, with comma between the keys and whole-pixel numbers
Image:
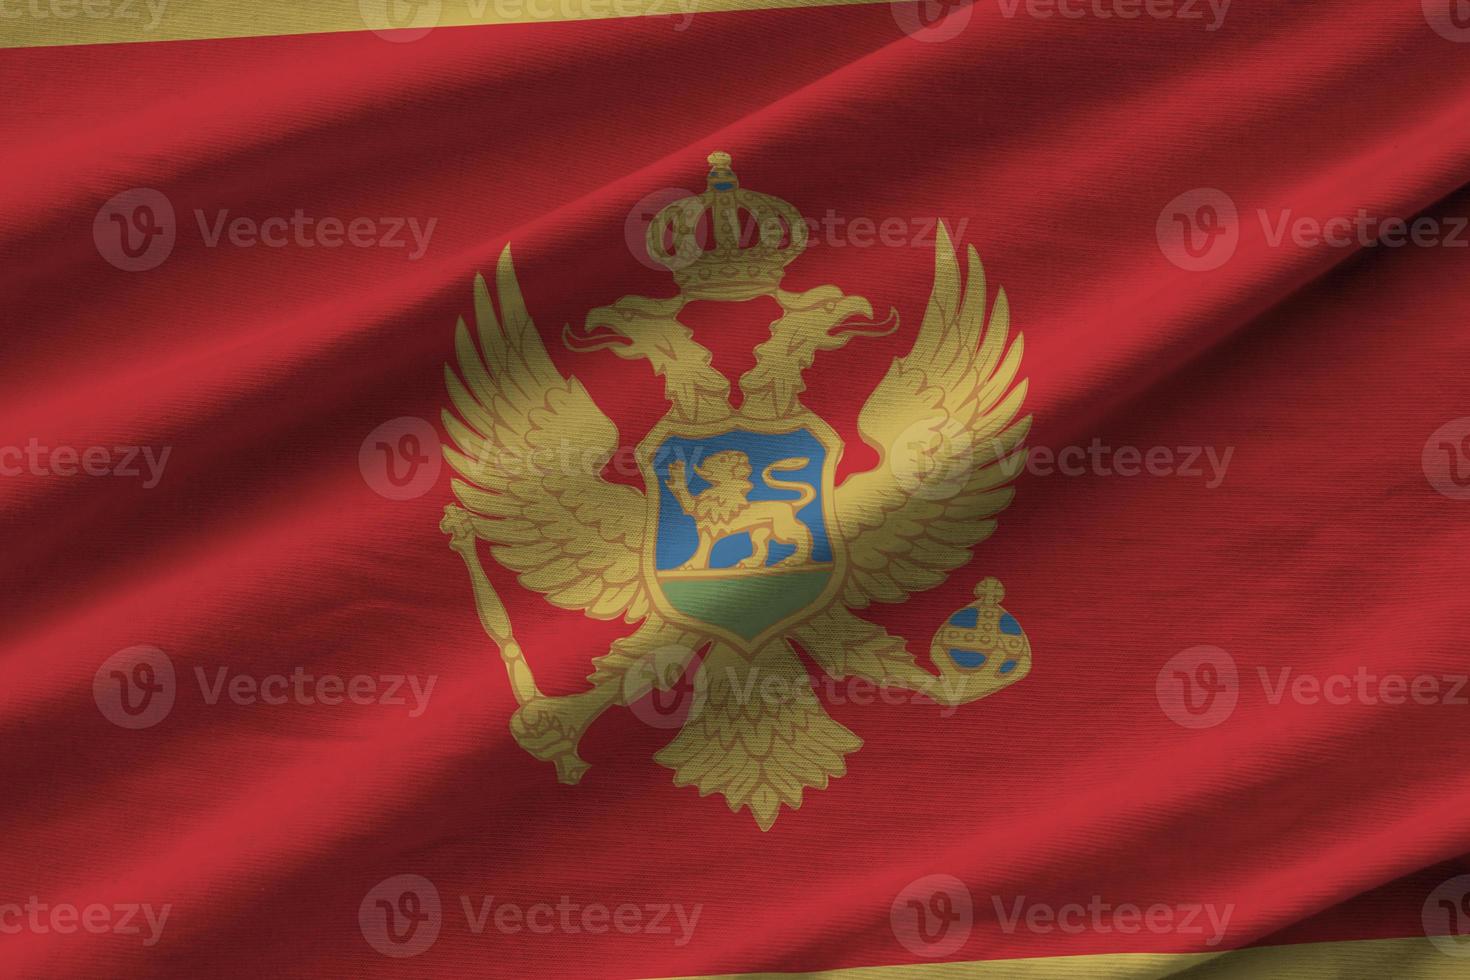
[
  {"x": 458, "y": 524},
  {"x": 549, "y": 728}
]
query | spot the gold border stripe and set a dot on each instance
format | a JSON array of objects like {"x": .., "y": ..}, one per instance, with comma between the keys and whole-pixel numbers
[
  {"x": 39, "y": 23},
  {"x": 1402, "y": 959}
]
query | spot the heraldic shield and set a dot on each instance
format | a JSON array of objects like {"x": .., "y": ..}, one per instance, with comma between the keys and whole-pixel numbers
[{"x": 742, "y": 538}]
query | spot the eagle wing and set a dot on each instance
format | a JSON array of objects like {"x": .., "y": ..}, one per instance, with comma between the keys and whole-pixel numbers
[
  {"x": 529, "y": 448},
  {"x": 944, "y": 421}
]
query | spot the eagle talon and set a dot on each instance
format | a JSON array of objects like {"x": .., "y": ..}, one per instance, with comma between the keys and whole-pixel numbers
[
  {"x": 570, "y": 769},
  {"x": 550, "y": 728},
  {"x": 539, "y": 730}
]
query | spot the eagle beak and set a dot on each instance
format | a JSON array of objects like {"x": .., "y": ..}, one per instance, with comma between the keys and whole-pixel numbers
[
  {"x": 589, "y": 339},
  {"x": 850, "y": 329}
]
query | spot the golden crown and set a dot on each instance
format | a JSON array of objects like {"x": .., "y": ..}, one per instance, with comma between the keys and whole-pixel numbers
[{"x": 755, "y": 237}]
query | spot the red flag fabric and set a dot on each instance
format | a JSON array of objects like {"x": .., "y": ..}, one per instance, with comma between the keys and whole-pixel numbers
[{"x": 953, "y": 490}]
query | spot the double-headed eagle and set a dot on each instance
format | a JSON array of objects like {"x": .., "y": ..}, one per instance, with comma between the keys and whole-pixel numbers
[{"x": 945, "y": 421}]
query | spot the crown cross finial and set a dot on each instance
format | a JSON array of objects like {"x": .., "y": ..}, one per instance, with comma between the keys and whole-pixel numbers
[
  {"x": 755, "y": 236},
  {"x": 721, "y": 177}
]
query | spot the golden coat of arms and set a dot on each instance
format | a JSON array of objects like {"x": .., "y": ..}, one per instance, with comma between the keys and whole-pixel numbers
[{"x": 741, "y": 550}]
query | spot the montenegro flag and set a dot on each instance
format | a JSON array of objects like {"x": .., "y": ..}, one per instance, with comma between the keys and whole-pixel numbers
[{"x": 688, "y": 488}]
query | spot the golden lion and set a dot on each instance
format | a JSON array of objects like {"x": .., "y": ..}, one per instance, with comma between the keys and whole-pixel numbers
[{"x": 722, "y": 509}]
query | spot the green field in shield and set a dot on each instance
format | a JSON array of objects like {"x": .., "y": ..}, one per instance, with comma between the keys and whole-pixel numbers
[{"x": 747, "y": 603}]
